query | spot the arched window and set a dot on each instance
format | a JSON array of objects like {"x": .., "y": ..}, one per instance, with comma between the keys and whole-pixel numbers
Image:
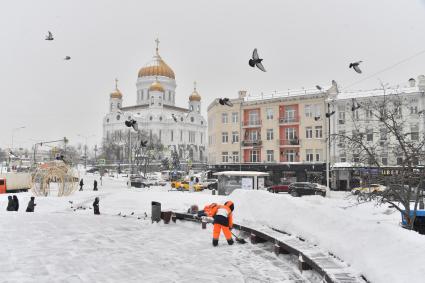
[
  {"x": 191, "y": 107},
  {"x": 199, "y": 109},
  {"x": 143, "y": 96},
  {"x": 152, "y": 100},
  {"x": 118, "y": 105}
]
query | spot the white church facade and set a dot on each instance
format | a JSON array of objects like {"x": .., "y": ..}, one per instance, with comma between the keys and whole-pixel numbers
[{"x": 177, "y": 128}]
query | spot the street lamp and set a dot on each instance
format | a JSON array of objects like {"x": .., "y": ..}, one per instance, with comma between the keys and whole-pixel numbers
[
  {"x": 13, "y": 132},
  {"x": 85, "y": 148}
]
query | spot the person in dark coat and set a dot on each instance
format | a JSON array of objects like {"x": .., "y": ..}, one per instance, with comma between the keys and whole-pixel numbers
[
  {"x": 81, "y": 184},
  {"x": 15, "y": 203},
  {"x": 31, "y": 205},
  {"x": 10, "y": 204},
  {"x": 95, "y": 185},
  {"x": 96, "y": 206}
]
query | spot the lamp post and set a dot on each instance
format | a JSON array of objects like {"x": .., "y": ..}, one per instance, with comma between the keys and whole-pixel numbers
[
  {"x": 11, "y": 147},
  {"x": 85, "y": 148}
]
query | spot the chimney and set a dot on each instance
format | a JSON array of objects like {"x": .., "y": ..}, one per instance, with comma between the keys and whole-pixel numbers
[
  {"x": 412, "y": 82},
  {"x": 242, "y": 93}
]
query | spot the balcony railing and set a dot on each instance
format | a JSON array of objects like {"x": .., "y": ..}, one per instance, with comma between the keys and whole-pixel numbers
[
  {"x": 289, "y": 120},
  {"x": 252, "y": 123},
  {"x": 293, "y": 142},
  {"x": 252, "y": 143},
  {"x": 295, "y": 159}
]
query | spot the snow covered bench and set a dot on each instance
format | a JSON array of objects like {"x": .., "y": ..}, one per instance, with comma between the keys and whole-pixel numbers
[{"x": 309, "y": 256}]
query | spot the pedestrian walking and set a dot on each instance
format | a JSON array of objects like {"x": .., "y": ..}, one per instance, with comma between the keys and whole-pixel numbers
[
  {"x": 95, "y": 185},
  {"x": 10, "y": 204},
  {"x": 15, "y": 203},
  {"x": 81, "y": 184},
  {"x": 96, "y": 206},
  {"x": 31, "y": 205}
]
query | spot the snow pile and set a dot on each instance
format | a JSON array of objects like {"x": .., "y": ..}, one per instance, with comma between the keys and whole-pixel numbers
[{"x": 366, "y": 236}]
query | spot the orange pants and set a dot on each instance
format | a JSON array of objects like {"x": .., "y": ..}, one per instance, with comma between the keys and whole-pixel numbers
[{"x": 218, "y": 228}]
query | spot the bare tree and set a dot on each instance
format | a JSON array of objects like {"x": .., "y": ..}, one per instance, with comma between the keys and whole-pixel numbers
[{"x": 394, "y": 149}]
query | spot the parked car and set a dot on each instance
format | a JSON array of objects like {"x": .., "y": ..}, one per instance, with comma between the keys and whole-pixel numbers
[
  {"x": 305, "y": 188},
  {"x": 282, "y": 187},
  {"x": 184, "y": 185},
  {"x": 210, "y": 184},
  {"x": 373, "y": 188},
  {"x": 139, "y": 182}
]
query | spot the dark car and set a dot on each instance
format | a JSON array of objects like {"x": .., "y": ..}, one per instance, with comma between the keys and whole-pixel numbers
[
  {"x": 138, "y": 181},
  {"x": 282, "y": 187},
  {"x": 304, "y": 188}
]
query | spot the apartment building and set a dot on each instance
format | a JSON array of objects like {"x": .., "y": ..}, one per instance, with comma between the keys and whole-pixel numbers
[
  {"x": 355, "y": 114},
  {"x": 283, "y": 134}
]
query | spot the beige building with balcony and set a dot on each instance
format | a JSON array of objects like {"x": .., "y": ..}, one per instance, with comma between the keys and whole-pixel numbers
[{"x": 283, "y": 134}]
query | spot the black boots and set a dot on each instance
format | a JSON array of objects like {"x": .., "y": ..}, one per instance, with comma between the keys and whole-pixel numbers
[
  {"x": 215, "y": 242},
  {"x": 230, "y": 241}
]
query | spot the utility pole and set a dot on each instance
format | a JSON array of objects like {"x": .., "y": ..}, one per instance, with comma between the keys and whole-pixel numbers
[{"x": 85, "y": 148}]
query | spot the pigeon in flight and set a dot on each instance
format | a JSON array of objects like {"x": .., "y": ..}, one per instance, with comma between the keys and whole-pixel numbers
[
  {"x": 132, "y": 123},
  {"x": 256, "y": 61},
  {"x": 67, "y": 58},
  {"x": 329, "y": 114},
  {"x": 49, "y": 36},
  {"x": 319, "y": 87},
  {"x": 143, "y": 143},
  {"x": 225, "y": 101},
  {"x": 355, "y": 66},
  {"x": 174, "y": 117},
  {"x": 316, "y": 118}
]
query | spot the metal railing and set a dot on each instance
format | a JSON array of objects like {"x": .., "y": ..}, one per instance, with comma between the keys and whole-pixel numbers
[
  {"x": 294, "y": 142},
  {"x": 251, "y": 123},
  {"x": 288, "y": 120}
]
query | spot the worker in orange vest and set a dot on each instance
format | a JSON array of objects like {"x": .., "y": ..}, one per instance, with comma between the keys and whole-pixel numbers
[
  {"x": 207, "y": 211},
  {"x": 223, "y": 221}
]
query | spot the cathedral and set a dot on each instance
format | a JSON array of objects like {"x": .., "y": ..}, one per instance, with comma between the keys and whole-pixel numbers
[{"x": 179, "y": 129}]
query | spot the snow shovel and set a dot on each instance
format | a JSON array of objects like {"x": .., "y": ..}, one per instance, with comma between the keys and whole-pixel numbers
[{"x": 239, "y": 240}]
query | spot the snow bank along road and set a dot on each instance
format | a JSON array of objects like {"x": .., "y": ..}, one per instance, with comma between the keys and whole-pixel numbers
[{"x": 58, "y": 244}]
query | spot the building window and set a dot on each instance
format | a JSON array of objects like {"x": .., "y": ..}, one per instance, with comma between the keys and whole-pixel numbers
[
  {"x": 356, "y": 158},
  {"x": 369, "y": 114},
  {"x": 172, "y": 135},
  {"x": 118, "y": 117},
  {"x": 107, "y": 120},
  {"x": 181, "y": 135},
  {"x": 290, "y": 155},
  {"x": 224, "y": 118},
  {"x": 318, "y": 111},
  {"x": 290, "y": 134},
  {"x": 235, "y": 117},
  {"x": 341, "y": 138},
  {"x": 235, "y": 156},
  {"x": 254, "y": 156},
  {"x": 235, "y": 137},
  {"x": 192, "y": 135},
  {"x": 318, "y": 155},
  {"x": 253, "y": 117},
  {"x": 160, "y": 118},
  {"x": 202, "y": 138},
  {"x": 152, "y": 100},
  {"x": 160, "y": 135},
  {"x": 270, "y": 155},
  {"x": 192, "y": 119},
  {"x": 225, "y": 157},
  {"x": 269, "y": 114},
  {"x": 191, "y": 107},
  {"x": 269, "y": 134},
  {"x": 309, "y": 132},
  {"x": 384, "y": 160},
  {"x": 343, "y": 159},
  {"x": 369, "y": 134},
  {"x": 290, "y": 114},
  {"x": 308, "y": 110},
  {"x": 399, "y": 160},
  {"x": 414, "y": 132},
  {"x": 318, "y": 130},
  {"x": 341, "y": 114},
  {"x": 150, "y": 118},
  {"x": 224, "y": 137},
  {"x": 309, "y": 155},
  {"x": 413, "y": 109},
  {"x": 383, "y": 134},
  {"x": 356, "y": 114},
  {"x": 253, "y": 135}
]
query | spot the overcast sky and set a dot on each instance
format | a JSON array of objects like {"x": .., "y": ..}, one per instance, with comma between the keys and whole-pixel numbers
[{"x": 303, "y": 43}]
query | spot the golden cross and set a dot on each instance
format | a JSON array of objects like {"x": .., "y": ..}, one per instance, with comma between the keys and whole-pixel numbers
[
  {"x": 116, "y": 83},
  {"x": 194, "y": 85}
]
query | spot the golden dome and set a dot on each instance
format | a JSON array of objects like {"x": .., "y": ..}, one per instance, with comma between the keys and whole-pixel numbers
[
  {"x": 117, "y": 93},
  {"x": 195, "y": 95},
  {"x": 157, "y": 67},
  {"x": 156, "y": 86}
]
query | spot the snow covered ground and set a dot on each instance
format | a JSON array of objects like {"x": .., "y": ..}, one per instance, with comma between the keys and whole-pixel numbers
[{"x": 57, "y": 243}]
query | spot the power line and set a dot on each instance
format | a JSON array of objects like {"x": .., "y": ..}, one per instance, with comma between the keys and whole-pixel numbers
[{"x": 386, "y": 69}]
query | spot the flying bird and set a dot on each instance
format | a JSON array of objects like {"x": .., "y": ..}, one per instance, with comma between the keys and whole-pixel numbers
[
  {"x": 67, "y": 58},
  {"x": 174, "y": 117},
  {"x": 132, "y": 123},
  {"x": 355, "y": 66},
  {"x": 319, "y": 87},
  {"x": 329, "y": 114},
  {"x": 316, "y": 118},
  {"x": 49, "y": 36},
  {"x": 225, "y": 101},
  {"x": 256, "y": 61},
  {"x": 132, "y": 213},
  {"x": 143, "y": 143}
]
